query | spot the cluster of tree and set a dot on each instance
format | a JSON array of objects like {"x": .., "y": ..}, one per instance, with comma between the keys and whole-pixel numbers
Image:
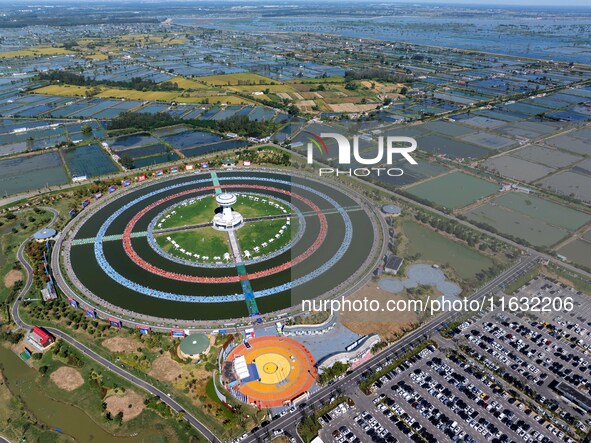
[
  {"x": 238, "y": 124},
  {"x": 488, "y": 273},
  {"x": 34, "y": 251},
  {"x": 367, "y": 383},
  {"x": 267, "y": 155},
  {"x": 380, "y": 74},
  {"x": 11, "y": 337},
  {"x": 459, "y": 231},
  {"x": 335, "y": 371},
  {"x": 72, "y": 356},
  {"x": 137, "y": 83},
  {"x": 158, "y": 405},
  {"x": 242, "y": 125},
  {"x": 142, "y": 121},
  {"x": 494, "y": 230},
  {"x": 70, "y": 18}
]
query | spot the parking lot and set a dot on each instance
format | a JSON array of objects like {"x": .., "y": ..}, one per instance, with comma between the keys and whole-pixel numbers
[{"x": 505, "y": 376}]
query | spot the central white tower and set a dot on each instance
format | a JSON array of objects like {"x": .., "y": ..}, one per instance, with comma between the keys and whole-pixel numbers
[{"x": 227, "y": 218}]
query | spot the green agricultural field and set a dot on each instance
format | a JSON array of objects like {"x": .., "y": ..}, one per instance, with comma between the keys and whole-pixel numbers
[
  {"x": 514, "y": 223},
  {"x": 204, "y": 242},
  {"x": 578, "y": 251},
  {"x": 256, "y": 233},
  {"x": 255, "y": 88},
  {"x": 432, "y": 247},
  {"x": 241, "y": 78},
  {"x": 551, "y": 213},
  {"x": 454, "y": 190},
  {"x": 537, "y": 221}
]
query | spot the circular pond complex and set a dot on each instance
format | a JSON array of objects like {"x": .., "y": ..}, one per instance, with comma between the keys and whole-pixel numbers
[{"x": 216, "y": 246}]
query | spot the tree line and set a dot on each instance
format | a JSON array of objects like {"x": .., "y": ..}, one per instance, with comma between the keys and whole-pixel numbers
[
  {"x": 137, "y": 83},
  {"x": 380, "y": 74},
  {"x": 238, "y": 124}
]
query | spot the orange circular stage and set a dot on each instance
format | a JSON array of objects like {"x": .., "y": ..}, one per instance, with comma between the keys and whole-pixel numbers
[{"x": 280, "y": 370}]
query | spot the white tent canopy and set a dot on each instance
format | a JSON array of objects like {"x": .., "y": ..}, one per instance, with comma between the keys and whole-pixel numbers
[{"x": 241, "y": 367}]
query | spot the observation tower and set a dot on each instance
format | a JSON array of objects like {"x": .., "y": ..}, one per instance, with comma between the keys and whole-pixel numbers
[{"x": 226, "y": 219}]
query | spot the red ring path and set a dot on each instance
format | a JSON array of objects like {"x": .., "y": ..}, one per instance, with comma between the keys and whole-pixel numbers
[{"x": 229, "y": 279}]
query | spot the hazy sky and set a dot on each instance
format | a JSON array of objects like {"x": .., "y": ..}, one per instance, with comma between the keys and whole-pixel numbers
[{"x": 544, "y": 3}]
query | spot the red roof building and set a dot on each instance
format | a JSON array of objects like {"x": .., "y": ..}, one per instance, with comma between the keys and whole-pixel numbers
[{"x": 42, "y": 337}]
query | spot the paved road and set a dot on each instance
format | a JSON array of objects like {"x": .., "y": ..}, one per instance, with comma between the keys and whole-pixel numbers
[
  {"x": 4, "y": 440},
  {"x": 350, "y": 382},
  {"x": 175, "y": 406}
]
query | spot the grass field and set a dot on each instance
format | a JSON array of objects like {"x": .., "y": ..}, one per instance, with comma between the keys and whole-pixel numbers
[
  {"x": 35, "y": 51},
  {"x": 236, "y": 79},
  {"x": 201, "y": 211},
  {"x": 454, "y": 190},
  {"x": 255, "y": 88},
  {"x": 97, "y": 56},
  {"x": 251, "y": 208},
  {"x": 204, "y": 242},
  {"x": 185, "y": 83},
  {"x": 63, "y": 90},
  {"x": 215, "y": 99},
  {"x": 131, "y": 94},
  {"x": 331, "y": 79},
  {"x": 432, "y": 247},
  {"x": 254, "y": 234}
]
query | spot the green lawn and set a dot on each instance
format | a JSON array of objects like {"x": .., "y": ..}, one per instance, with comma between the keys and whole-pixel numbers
[
  {"x": 202, "y": 211},
  {"x": 256, "y": 233},
  {"x": 202, "y": 241},
  {"x": 433, "y": 247},
  {"x": 251, "y": 208}
]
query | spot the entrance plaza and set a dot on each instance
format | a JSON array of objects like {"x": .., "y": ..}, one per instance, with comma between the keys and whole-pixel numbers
[{"x": 279, "y": 370}]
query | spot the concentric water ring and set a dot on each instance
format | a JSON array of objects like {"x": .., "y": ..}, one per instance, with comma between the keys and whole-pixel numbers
[
  {"x": 156, "y": 247},
  {"x": 197, "y": 279},
  {"x": 309, "y": 267}
]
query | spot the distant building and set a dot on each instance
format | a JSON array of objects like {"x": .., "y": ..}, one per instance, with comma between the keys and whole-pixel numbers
[
  {"x": 48, "y": 293},
  {"x": 392, "y": 264},
  {"x": 40, "y": 339},
  {"x": 392, "y": 210},
  {"x": 192, "y": 346},
  {"x": 352, "y": 353},
  {"x": 521, "y": 189},
  {"x": 228, "y": 163},
  {"x": 45, "y": 234}
]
